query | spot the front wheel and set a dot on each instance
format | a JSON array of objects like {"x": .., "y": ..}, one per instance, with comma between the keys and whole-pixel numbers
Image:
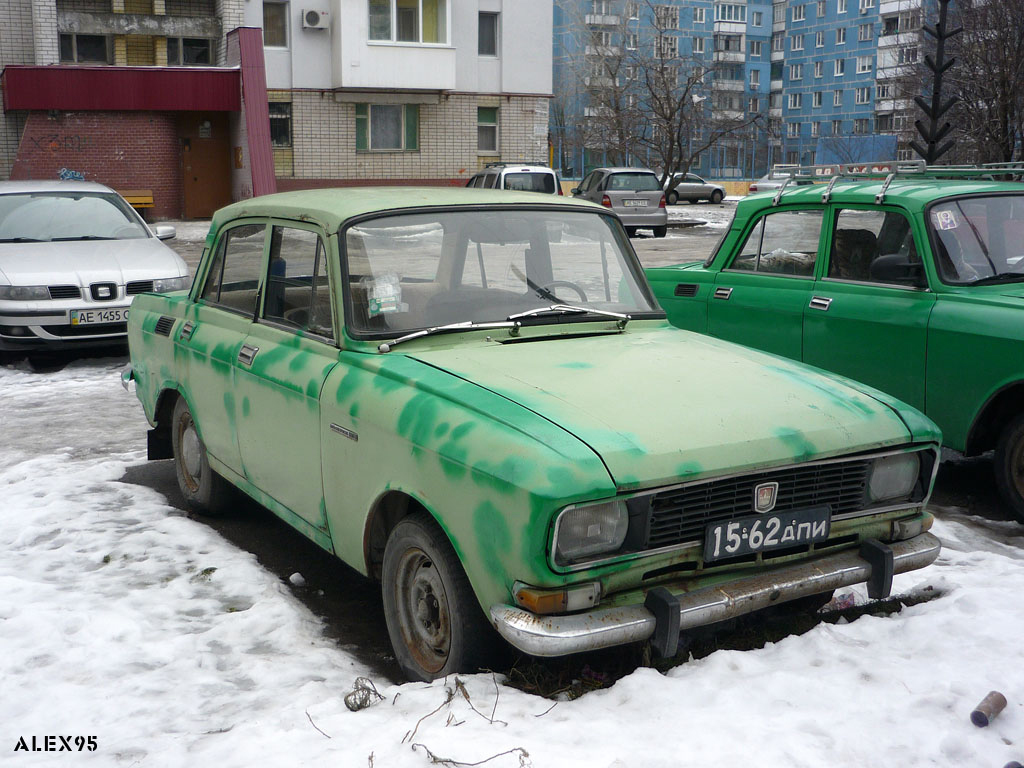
[
  {"x": 1009, "y": 465},
  {"x": 434, "y": 620},
  {"x": 716, "y": 197},
  {"x": 204, "y": 490}
]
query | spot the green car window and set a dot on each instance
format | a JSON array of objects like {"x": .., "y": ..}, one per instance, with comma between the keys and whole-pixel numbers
[
  {"x": 234, "y": 273},
  {"x": 297, "y": 291},
  {"x": 979, "y": 239},
  {"x": 860, "y": 237},
  {"x": 783, "y": 242}
]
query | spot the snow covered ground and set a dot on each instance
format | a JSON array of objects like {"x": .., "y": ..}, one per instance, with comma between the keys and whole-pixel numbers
[{"x": 123, "y": 620}]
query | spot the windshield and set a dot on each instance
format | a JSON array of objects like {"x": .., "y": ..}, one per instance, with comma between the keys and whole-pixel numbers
[
  {"x": 979, "y": 240},
  {"x": 530, "y": 182},
  {"x": 47, "y": 216},
  {"x": 637, "y": 182},
  {"x": 422, "y": 270}
]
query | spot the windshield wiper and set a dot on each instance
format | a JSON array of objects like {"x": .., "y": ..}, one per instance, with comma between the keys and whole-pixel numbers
[
  {"x": 80, "y": 237},
  {"x": 467, "y": 325},
  {"x": 1004, "y": 277},
  {"x": 21, "y": 240},
  {"x": 570, "y": 309}
]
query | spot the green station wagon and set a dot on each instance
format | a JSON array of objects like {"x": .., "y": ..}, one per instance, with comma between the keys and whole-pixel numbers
[
  {"x": 911, "y": 281},
  {"x": 472, "y": 396}
]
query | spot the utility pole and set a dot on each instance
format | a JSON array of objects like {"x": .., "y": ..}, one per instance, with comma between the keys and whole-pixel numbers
[{"x": 933, "y": 133}]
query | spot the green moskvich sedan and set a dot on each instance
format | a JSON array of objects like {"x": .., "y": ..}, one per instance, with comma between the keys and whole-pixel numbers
[
  {"x": 472, "y": 396},
  {"x": 913, "y": 285}
]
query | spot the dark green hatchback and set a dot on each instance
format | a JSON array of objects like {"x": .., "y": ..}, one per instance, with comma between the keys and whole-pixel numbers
[{"x": 910, "y": 280}]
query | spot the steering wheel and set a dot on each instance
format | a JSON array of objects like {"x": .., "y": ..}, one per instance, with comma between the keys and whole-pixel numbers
[{"x": 546, "y": 292}]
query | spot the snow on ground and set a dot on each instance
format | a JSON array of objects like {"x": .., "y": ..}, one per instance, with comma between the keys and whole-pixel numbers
[{"x": 124, "y": 620}]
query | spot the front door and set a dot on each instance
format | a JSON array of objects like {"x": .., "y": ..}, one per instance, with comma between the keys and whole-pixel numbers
[
  {"x": 205, "y": 162},
  {"x": 759, "y": 297}
]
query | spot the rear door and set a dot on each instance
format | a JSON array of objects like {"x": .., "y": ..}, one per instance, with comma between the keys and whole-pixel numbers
[
  {"x": 280, "y": 371},
  {"x": 759, "y": 297},
  {"x": 861, "y": 326},
  {"x": 633, "y": 193}
]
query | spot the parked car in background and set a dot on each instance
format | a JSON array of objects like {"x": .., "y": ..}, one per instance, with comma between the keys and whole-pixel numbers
[
  {"x": 520, "y": 177},
  {"x": 914, "y": 286},
  {"x": 429, "y": 385},
  {"x": 776, "y": 178},
  {"x": 634, "y": 194},
  {"x": 692, "y": 188},
  {"x": 73, "y": 255}
]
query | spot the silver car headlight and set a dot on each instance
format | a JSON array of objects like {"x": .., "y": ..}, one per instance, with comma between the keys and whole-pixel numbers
[
  {"x": 584, "y": 530},
  {"x": 893, "y": 477},
  {"x": 24, "y": 292},
  {"x": 169, "y": 284}
]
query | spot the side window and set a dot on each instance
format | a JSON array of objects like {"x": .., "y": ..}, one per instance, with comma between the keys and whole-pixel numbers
[
  {"x": 235, "y": 272},
  {"x": 298, "y": 293},
  {"x": 783, "y": 243},
  {"x": 589, "y": 182},
  {"x": 860, "y": 237}
]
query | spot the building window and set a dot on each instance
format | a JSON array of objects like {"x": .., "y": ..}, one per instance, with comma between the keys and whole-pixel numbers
[
  {"x": 698, "y": 45},
  {"x": 281, "y": 124},
  {"x": 778, "y": 12},
  {"x": 793, "y": 130},
  {"x": 666, "y": 46},
  {"x": 796, "y": 71},
  {"x": 631, "y": 41},
  {"x": 698, "y": 15},
  {"x": 840, "y": 6},
  {"x": 837, "y": 98},
  {"x": 487, "y": 129},
  {"x": 862, "y": 125},
  {"x": 796, "y": 100},
  {"x": 487, "y": 35},
  {"x": 755, "y": 104},
  {"x": 883, "y": 123},
  {"x": 731, "y": 43},
  {"x": 667, "y": 16},
  {"x": 633, "y": 9},
  {"x": 862, "y": 95},
  {"x": 387, "y": 127},
  {"x": 907, "y": 55},
  {"x": 93, "y": 49},
  {"x": 819, "y": 67},
  {"x": 865, "y": 64},
  {"x": 883, "y": 91},
  {"x": 778, "y": 43},
  {"x": 841, "y": 36},
  {"x": 730, "y": 12},
  {"x": 799, "y": 12},
  {"x": 797, "y": 42},
  {"x": 840, "y": 67},
  {"x": 816, "y": 99},
  {"x": 275, "y": 25},
  {"x": 821, "y": 9},
  {"x": 864, "y": 32},
  {"x": 755, "y": 78},
  {"x": 409, "y": 21},
  {"x": 815, "y": 130},
  {"x": 837, "y": 127},
  {"x": 756, "y": 46},
  {"x": 188, "y": 50},
  {"x": 757, "y": 18},
  {"x": 867, "y": 4},
  {"x": 819, "y": 39},
  {"x": 904, "y": 155}
]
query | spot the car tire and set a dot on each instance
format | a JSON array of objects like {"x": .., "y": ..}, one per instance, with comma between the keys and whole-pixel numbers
[
  {"x": 672, "y": 197},
  {"x": 716, "y": 197},
  {"x": 660, "y": 231},
  {"x": 1009, "y": 465},
  {"x": 204, "y": 490},
  {"x": 434, "y": 621}
]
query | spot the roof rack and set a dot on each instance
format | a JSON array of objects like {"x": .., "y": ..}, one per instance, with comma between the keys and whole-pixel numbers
[
  {"x": 891, "y": 170},
  {"x": 503, "y": 163}
]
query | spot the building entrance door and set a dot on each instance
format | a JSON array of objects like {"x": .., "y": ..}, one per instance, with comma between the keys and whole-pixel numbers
[{"x": 205, "y": 162}]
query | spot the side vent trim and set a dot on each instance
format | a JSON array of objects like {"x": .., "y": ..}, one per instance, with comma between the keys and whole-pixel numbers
[
  {"x": 686, "y": 289},
  {"x": 164, "y": 325}
]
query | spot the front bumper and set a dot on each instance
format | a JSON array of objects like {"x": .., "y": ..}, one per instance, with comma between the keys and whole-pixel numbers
[{"x": 604, "y": 628}]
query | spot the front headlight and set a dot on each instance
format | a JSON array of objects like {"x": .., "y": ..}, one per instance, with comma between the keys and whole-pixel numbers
[
  {"x": 585, "y": 530},
  {"x": 24, "y": 292},
  {"x": 169, "y": 284},
  {"x": 893, "y": 477}
]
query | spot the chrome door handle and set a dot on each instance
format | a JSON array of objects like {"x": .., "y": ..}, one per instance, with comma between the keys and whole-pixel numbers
[
  {"x": 186, "y": 331},
  {"x": 820, "y": 302},
  {"x": 247, "y": 354},
  {"x": 723, "y": 293}
]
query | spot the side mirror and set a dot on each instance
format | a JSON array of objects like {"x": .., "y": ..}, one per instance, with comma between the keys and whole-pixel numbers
[
  {"x": 165, "y": 231},
  {"x": 897, "y": 268}
]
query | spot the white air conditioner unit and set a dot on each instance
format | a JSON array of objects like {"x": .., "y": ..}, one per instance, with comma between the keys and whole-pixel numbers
[
  {"x": 315, "y": 19},
  {"x": 863, "y": 10}
]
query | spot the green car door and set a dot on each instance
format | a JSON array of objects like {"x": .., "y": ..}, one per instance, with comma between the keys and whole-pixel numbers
[
  {"x": 280, "y": 371},
  {"x": 759, "y": 297},
  {"x": 862, "y": 321}
]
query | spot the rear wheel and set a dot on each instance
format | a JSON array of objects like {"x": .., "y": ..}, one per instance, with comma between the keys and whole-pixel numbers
[
  {"x": 204, "y": 490},
  {"x": 716, "y": 196},
  {"x": 1009, "y": 465},
  {"x": 660, "y": 231},
  {"x": 672, "y": 197},
  {"x": 434, "y": 620}
]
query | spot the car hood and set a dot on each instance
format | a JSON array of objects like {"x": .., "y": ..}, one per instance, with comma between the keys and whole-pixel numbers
[
  {"x": 660, "y": 404},
  {"x": 88, "y": 261}
]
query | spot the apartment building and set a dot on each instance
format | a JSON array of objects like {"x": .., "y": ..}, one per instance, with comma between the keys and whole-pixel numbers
[{"x": 200, "y": 102}]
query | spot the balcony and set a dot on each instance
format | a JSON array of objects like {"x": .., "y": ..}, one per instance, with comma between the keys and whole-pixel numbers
[
  {"x": 602, "y": 20},
  {"x": 603, "y": 50},
  {"x": 735, "y": 57},
  {"x": 729, "y": 85},
  {"x": 594, "y": 81}
]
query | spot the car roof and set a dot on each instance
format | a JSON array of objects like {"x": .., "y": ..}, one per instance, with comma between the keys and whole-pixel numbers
[
  {"x": 625, "y": 170},
  {"x": 54, "y": 185},
  {"x": 332, "y": 207},
  {"x": 911, "y": 192}
]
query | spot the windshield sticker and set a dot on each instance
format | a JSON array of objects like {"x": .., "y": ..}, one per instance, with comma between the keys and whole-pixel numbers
[
  {"x": 384, "y": 295},
  {"x": 945, "y": 220}
]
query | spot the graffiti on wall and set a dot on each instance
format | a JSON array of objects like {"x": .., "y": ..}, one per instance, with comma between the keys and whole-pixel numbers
[
  {"x": 55, "y": 142},
  {"x": 66, "y": 174}
]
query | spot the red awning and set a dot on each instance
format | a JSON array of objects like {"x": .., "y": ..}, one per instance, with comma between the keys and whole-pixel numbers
[{"x": 112, "y": 89}]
